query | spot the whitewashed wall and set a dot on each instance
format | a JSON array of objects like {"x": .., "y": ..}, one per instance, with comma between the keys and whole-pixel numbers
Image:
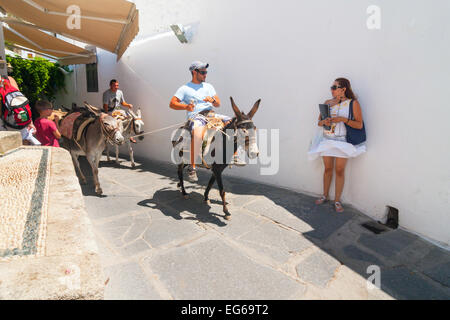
[{"x": 288, "y": 53}]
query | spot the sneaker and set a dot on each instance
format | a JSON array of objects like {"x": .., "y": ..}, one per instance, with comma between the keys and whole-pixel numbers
[
  {"x": 192, "y": 174},
  {"x": 236, "y": 161}
]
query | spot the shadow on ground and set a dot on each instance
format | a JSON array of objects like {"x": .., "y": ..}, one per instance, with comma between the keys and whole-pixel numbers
[{"x": 410, "y": 267}]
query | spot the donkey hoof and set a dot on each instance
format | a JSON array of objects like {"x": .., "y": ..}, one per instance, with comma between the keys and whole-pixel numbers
[
  {"x": 133, "y": 165},
  {"x": 207, "y": 201},
  {"x": 227, "y": 216},
  {"x": 186, "y": 196},
  {"x": 98, "y": 191}
]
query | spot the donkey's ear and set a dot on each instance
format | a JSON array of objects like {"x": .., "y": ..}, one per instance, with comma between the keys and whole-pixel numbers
[
  {"x": 139, "y": 113},
  {"x": 236, "y": 110},
  {"x": 132, "y": 113},
  {"x": 254, "y": 109},
  {"x": 92, "y": 109}
]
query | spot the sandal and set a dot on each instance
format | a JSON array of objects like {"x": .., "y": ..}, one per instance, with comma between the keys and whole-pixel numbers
[
  {"x": 338, "y": 207},
  {"x": 192, "y": 174},
  {"x": 321, "y": 200}
]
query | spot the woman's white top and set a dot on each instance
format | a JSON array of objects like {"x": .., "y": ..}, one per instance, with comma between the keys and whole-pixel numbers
[{"x": 332, "y": 143}]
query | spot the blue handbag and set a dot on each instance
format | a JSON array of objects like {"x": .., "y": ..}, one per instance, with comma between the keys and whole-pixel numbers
[{"x": 354, "y": 136}]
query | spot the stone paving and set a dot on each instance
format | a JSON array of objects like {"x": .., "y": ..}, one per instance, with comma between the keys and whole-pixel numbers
[{"x": 279, "y": 245}]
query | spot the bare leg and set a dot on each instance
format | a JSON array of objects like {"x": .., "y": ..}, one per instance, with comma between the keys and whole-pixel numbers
[
  {"x": 340, "y": 177},
  {"x": 77, "y": 167},
  {"x": 196, "y": 145},
  {"x": 327, "y": 174}
]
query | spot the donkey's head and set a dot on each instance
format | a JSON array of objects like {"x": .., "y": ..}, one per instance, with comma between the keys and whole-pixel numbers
[
  {"x": 111, "y": 128},
  {"x": 246, "y": 128},
  {"x": 138, "y": 123}
]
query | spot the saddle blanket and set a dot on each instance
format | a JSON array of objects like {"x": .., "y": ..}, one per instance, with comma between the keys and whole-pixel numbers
[
  {"x": 73, "y": 125},
  {"x": 66, "y": 127}
]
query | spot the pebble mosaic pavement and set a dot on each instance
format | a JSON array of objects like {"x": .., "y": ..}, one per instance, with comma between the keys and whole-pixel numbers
[{"x": 24, "y": 178}]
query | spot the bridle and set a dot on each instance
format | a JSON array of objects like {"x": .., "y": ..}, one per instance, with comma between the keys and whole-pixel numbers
[
  {"x": 134, "y": 124},
  {"x": 109, "y": 135}
]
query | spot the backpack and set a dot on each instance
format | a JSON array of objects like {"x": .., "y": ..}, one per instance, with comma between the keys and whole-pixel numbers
[{"x": 15, "y": 108}]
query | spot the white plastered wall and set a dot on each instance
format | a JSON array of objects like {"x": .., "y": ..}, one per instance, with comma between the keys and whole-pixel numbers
[{"x": 288, "y": 53}]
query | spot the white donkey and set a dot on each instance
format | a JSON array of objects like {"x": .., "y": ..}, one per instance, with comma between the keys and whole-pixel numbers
[{"x": 133, "y": 125}]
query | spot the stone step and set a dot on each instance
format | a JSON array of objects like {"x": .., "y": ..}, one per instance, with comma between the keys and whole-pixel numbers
[{"x": 9, "y": 140}]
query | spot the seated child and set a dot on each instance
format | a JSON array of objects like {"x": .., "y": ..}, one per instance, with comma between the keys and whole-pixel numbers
[{"x": 47, "y": 131}]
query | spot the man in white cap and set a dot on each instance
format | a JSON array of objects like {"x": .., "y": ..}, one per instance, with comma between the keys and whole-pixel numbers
[{"x": 197, "y": 97}]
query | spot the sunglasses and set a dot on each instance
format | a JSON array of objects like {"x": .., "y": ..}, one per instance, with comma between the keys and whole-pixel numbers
[
  {"x": 335, "y": 87},
  {"x": 202, "y": 72}
]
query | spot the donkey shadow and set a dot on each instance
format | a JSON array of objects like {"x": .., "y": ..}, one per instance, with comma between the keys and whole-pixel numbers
[{"x": 172, "y": 204}]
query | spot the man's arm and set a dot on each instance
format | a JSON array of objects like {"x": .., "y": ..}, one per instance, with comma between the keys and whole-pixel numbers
[
  {"x": 128, "y": 105},
  {"x": 123, "y": 102},
  {"x": 55, "y": 128},
  {"x": 176, "y": 104}
]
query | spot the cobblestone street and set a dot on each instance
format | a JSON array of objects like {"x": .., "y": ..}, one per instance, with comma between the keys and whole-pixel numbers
[{"x": 278, "y": 245}]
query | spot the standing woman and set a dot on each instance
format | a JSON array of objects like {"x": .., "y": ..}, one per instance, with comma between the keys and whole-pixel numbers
[{"x": 333, "y": 146}]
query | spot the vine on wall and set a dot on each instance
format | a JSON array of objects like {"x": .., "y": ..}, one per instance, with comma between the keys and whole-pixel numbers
[{"x": 37, "y": 78}]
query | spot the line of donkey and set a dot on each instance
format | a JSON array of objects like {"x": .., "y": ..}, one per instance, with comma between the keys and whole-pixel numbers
[
  {"x": 105, "y": 130},
  {"x": 101, "y": 131}
]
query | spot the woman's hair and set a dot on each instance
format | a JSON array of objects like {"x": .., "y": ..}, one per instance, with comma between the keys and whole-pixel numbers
[{"x": 344, "y": 83}]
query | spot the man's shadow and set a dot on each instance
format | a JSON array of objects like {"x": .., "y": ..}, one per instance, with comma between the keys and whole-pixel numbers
[{"x": 171, "y": 203}]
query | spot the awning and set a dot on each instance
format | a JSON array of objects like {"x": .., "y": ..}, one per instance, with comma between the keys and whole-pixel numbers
[
  {"x": 107, "y": 24},
  {"x": 41, "y": 42}
]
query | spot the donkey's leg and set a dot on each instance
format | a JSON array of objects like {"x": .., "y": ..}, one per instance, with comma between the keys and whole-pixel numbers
[
  {"x": 107, "y": 152},
  {"x": 208, "y": 188},
  {"x": 218, "y": 173},
  {"x": 92, "y": 158},
  {"x": 130, "y": 149},
  {"x": 117, "y": 153},
  {"x": 181, "y": 183},
  {"x": 77, "y": 167}
]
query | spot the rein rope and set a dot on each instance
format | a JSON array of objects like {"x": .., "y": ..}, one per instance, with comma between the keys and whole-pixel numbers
[
  {"x": 179, "y": 124},
  {"x": 165, "y": 128}
]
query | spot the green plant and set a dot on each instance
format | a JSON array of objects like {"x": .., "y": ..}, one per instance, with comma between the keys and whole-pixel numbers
[{"x": 37, "y": 78}]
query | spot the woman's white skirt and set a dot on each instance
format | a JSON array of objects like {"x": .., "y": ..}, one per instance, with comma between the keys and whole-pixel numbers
[{"x": 323, "y": 147}]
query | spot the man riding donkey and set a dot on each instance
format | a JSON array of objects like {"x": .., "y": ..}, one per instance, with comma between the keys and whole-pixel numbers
[
  {"x": 198, "y": 98},
  {"x": 114, "y": 103},
  {"x": 132, "y": 123}
]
